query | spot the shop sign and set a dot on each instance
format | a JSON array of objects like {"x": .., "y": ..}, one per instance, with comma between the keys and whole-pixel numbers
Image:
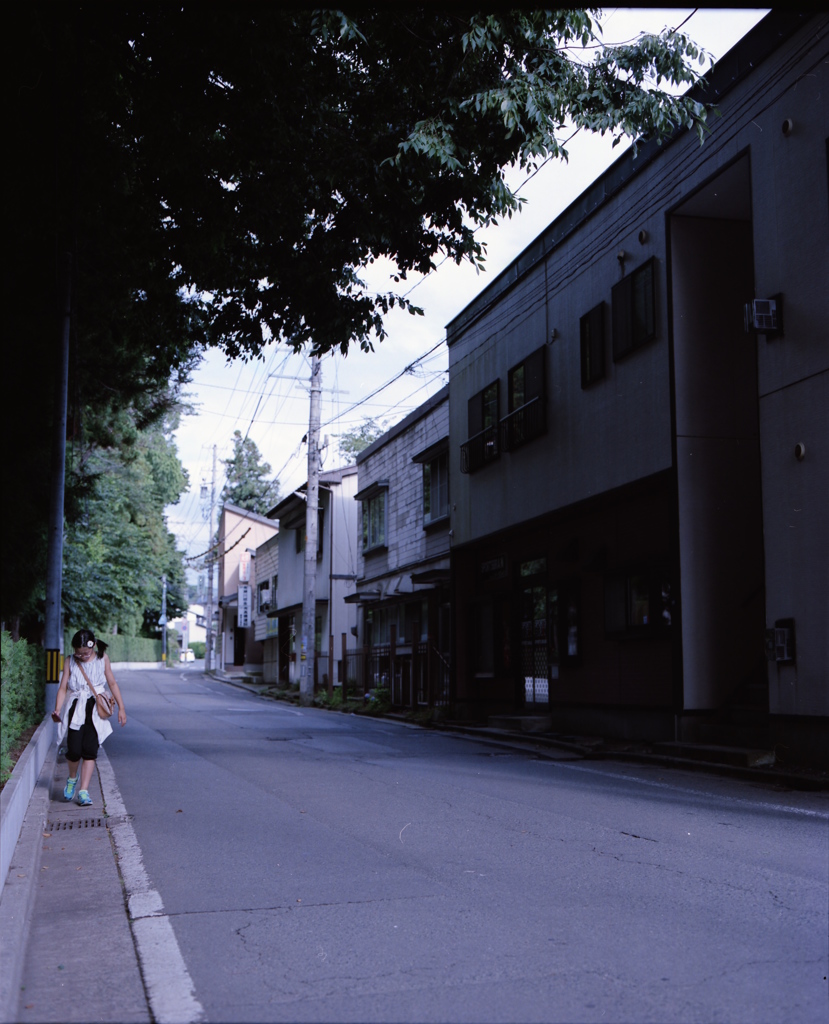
[
  {"x": 244, "y": 603},
  {"x": 493, "y": 568},
  {"x": 244, "y": 567}
]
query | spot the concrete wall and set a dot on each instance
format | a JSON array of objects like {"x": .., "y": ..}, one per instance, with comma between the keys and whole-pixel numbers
[
  {"x": 718, "y": 458},
  {"x": 791, "y": 241}
]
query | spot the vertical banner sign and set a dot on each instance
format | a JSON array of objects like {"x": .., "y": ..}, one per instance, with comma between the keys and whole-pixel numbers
[
  {"x": 243, "y": 613},
  {"x": 244, "y": 567}
]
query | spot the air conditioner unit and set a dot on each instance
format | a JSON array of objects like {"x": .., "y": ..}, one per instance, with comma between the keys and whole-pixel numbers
[{"x": 764, "y": 316}]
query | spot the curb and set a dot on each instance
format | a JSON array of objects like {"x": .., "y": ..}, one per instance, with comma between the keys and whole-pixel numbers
[
  {"x": 536, "y": 742},
  {"x": 14, "y": 800},
  {"x": 18, "y": 893}
]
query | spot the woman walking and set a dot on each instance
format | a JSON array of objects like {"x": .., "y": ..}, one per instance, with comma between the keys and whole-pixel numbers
[{"x": 86, "y": 674}]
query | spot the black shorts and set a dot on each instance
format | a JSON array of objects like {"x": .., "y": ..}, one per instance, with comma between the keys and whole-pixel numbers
[{"x": 83, "y": 742}]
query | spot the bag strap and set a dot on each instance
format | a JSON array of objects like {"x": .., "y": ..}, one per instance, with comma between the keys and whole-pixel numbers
[{"x": 88, "y": 681}]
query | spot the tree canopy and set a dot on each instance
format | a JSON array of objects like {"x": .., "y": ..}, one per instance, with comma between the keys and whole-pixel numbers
[
  {"x": 352, "y": 442},
  {"x": 224, "y": 174},
  {"x": 117, "y": 544},
  {"x": 246, "y": 478}
]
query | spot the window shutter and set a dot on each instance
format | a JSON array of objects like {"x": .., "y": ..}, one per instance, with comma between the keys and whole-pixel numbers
[
  {"x": 634, "y": 315},
  {"x": 476, "y": 414},
  {"x": 591, "y": 329}
]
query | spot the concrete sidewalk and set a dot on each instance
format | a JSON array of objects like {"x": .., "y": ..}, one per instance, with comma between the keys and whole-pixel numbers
[{"x": 68, "y": 950}]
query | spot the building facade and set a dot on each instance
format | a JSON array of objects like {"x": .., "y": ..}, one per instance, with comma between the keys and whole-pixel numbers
[
  {"x": 639, "y": 458},
  {"x": 336, "y": 574},
  {"x": 403, "y": 544},
  {"x": 265, "y": 622},
  {"x": 241, "y": 533}
]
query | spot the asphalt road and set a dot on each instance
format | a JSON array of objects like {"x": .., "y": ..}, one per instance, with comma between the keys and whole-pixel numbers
[{"x": 322, "y": 867}]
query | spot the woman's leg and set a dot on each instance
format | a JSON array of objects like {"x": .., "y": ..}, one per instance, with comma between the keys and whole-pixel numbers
[
  {"x": 86, "y": 773},
  {"x": 73, "y": 756}
]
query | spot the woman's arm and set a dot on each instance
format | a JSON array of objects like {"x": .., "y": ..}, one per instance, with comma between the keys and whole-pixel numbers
[
  {"x": 64, "y": 682},
  {"x": 116, "y": 690}
]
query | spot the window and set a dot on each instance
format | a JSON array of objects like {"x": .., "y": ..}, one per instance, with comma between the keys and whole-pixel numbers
[
  {"x": 482, "y": 412},
  {"x": 374, "y": 521},
  {"x": 436, "y": 489},
  {"x": 526, "y": 394},
  {"x": 263, "y": 597},
  {"x": 591, "y": 333},
  {"x": 301, "y": 535},
  {"x": 634, "y": 316},
  {"x": 638, "y": 602}
]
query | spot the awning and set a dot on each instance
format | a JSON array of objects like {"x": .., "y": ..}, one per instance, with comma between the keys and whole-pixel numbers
[
  {"x": 363, "y": 596},
  {"x": 431, "y": 576}
]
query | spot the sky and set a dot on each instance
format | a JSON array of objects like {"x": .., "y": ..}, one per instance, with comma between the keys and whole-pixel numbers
[{"x": 268, "y": 400}]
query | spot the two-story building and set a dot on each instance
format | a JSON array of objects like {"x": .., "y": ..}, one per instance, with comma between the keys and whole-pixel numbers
[
  {"x": 403, "y": 558},
  {"x": 336, "y": 575},
  {"x": 241, "y": 533},
  {"x": 639, "y": 418},
  {"x": 265, "y": 622}
]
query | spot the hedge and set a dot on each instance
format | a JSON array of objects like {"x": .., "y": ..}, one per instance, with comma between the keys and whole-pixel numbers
[
  {"x": 134, "y": 648},
  {"x": 22, "y": 691}
]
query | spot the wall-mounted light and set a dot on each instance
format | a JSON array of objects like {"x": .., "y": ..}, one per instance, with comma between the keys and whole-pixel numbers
[
  {"x": 642, "y": 236},
  {"x": 788, "y": 127},
  {"x": 800, "y": 451}
]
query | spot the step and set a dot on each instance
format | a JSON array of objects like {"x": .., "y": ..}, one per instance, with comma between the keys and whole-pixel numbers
[
  {"x": 521, "y": 723},
  {"x": 744, "y": 757}
]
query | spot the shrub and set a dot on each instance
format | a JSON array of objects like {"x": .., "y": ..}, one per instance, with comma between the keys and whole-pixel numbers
[
  {"x": 126, "y": 648},
  {"x": 22, "y": 680},
  {"x": 198, "y": 648}
]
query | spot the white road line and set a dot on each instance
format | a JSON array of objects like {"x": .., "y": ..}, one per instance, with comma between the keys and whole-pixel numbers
[
  {"x": 169, "y": 986},
  {"x": 806, "y": 812}
]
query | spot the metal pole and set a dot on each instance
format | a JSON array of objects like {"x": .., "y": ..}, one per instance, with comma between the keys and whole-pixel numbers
[
  {"x": 54, "y": 557},
  {"x": 208, "y": 652},
  {"x": 309, "y": 594},
  {"x": 163, "y": 621}
]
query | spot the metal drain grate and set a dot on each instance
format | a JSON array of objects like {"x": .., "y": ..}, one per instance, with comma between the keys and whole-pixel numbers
[{"x": 75, "y": 824}]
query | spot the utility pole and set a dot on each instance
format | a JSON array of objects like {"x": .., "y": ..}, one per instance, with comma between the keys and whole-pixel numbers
[
  {"x": 309, "y": 590},
  {"x": 54, "y": 557},
  {"x": 163, "y": 621},
  {"x": 208, "y": 652}
]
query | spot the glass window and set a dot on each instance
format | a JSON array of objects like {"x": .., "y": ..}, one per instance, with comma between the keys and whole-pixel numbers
[
  {"x": 481, "y": 447},
  {"x": 374, "y": 521},
  {"x": 482, "y": 635},
  {"x": 436, "y": 488},
  {"x": 526, "y": 394},
  {"x": 637, "y": 602},
  {"x": 301, "y": 535}
]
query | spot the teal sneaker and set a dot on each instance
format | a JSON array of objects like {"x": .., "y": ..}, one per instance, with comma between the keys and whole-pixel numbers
[
  {"x": 84, "y": 799},
  {"x": 69, "y": 788}
]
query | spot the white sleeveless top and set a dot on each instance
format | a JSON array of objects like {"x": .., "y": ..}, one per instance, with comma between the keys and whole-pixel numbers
[{"x": 77, "y": 687}]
